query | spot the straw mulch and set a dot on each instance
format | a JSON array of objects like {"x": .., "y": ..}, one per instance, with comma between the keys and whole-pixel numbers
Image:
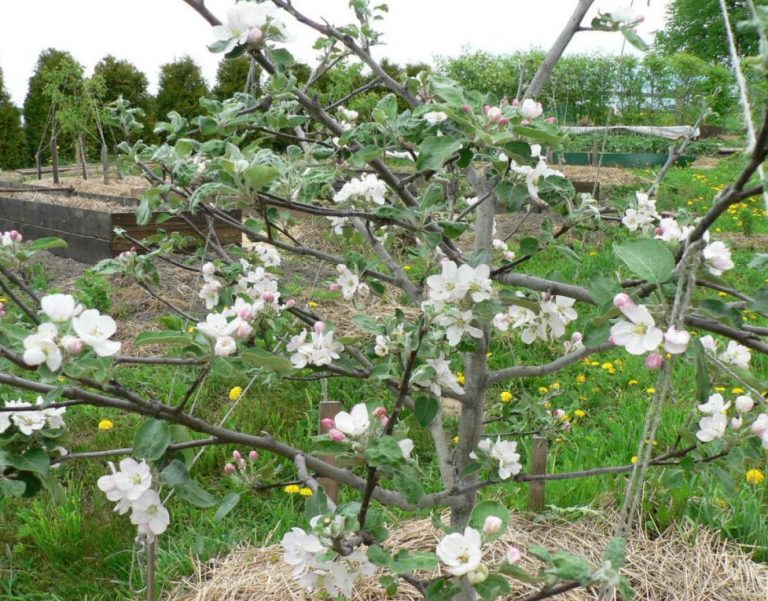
[
  {"x": 74, "y": 202},
  {"x": 688, "y": 565}
]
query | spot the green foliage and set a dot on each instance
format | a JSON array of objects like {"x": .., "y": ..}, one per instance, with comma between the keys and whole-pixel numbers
[
  {"x": 232, "y": 77},
  {"x": 122, "y": 78},
  {"x": 37, "y": 105},
  {"x": 93, "y": 291},
  {"x": 180, "y": 89},
  {"x": 687, "y": 19},
  {"x": 13, "y": 151}
]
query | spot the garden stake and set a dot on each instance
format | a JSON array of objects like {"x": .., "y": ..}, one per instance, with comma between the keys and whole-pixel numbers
[{"x": 537, "y": 494}]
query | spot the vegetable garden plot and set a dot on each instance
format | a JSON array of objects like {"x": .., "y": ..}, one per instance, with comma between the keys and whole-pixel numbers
[{"x": 87, "y": 222}]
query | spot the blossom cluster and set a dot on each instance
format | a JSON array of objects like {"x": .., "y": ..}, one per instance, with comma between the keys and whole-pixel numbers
[
  {"x": 248, "y": 24},
  {"x": 548, "y": 324},
  {"x": 734, "y": 354},
  {"x": 504, "y": 452},
  {"x": 130, "y": 487},
  {"x": 315, "y": 567},
  {"x": 715, "y": 421},
  {"x": 70, "y": 329},
  {"x": 349, "y": 284},
  {"x": 28, "y": 422},
  {"x": 321, "y": 349},
  {"x": 357, "y": 427}
]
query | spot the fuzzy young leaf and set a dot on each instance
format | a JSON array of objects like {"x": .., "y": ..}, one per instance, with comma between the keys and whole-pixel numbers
[
  {"x": 650, "y": 260},
  {"x": 493, "y": 586},
  {"x": 425, "y": 409},
  {"x": 435, "y": 151},
  {"x": 227, "y": 504},
  {"x": 152, "y": 439}
]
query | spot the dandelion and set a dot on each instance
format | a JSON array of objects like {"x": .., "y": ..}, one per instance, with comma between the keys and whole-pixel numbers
[
  {"x": 737, "y": 390},
  {"x": 292, "y": 489},
  {"x": 633, "y": 382},
  {"x": 650, "y": 390},
  {"x": 555, "y": 386},
  {"x": 455, "y": 440},
  {"x": 312, "y": 304},
  {"x": 407, "y": 267},
  {"x": 191, "y": 329},
  {"x": 543, "y": 390},
  {"x": 580, "y": 413},
  {"x": 505, "y": 396},
  {"x": 106, "y": 424},
  {"x": 460, "y": 378},
  {"x": 235, "y": 393},
  {"x": 633, "y": 461},
  {"x": 719, "y": 388},
  {"x": 305, "y": 492},
  {"x": 755, "y": 476},
  {"x": 581, "y": 378}
]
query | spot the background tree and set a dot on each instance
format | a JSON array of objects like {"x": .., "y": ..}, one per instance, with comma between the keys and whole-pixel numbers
[
  {"x": 37, "y": 104},
  {"x": 232, "y": 77},
  {"x": 13, "y": 150},
  {"x": 180, "y": 89},
  {"x": 687, "y": 20}
]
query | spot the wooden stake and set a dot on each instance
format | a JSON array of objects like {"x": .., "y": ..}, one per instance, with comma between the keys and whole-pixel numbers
[
  {"x": 537, "y": 495},
  {"x": 329, "y": 409},
  {"x": 81, "y": 152},
  {"x": 54, "y": 159},
  {"x": 39, "y": 166},
  {"x": 105, "y": 163},
  {"x": 117, "y": 163}
]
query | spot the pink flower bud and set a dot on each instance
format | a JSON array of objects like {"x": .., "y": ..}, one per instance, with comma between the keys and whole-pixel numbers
[
  {"x": 622, "y": 299},
  {"x": 335, "y": 287},
  {"x": 229, "y": 469},
  {"x": 384, "y": 421},
  {"x": 550, "y": 120},
  {"x": 244, "y": 330},
  {"x": 15, "y": 236},
  {"x": 736, "y": 422},
  {"x": 486, "y": 108},
  {"x": 255, "y": 36},
  {"x": 72, "y": 344},
  {"x": 513, "y": 555},
  {"x": 245, "y": 312},
  {"x": 559, "y": 413},
  {"x": 760, "y": 425},
  {"x": 253, "y": 455},
  {"x": 494, "y": 114},
  {"x": 268, "y": 297},
  {"x": 492, "y": 525},
  {"x": 2, "y": 309},
  {"x": 503, "y": 121},
  {"x": 466, "y": 108},
  {"x": 516, "y": 103},
  {"x": 336, "y": 435},
  {"x": 567, "y": 426},
  {"x": 290, "y": 303},
  {"x": 319, "y": 327},
  {"x": 380, "y": 412},
  {"x": 236, "y": 455},
  {"x": 654, "y": 361},
  {"x": 640, "y": 19},
  {"x": 744, "y": 403},
  {"x": 327, "y": 423},
  {"x": 659, "y": 231}
]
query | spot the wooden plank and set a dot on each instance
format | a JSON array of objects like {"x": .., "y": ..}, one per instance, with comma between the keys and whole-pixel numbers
[
  {"x": 86, "y": 222},
  {"x": 537, "y": 495},
  {"x": 84, "y": 249}
]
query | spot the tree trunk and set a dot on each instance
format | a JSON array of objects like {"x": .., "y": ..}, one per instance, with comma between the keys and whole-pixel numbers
[
  {"x": 117, "y": 163},
  {"x": 105, "y": 163},
  {"x": 81, "y": 152},
  {"x": 39, "y": 166},
  {"x": 54, "y": 159},
  {"x": 548, "y": 66}
]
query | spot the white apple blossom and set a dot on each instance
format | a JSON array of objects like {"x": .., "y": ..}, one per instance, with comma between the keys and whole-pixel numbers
[
  {"x": 634, "y": 219},
  {"x": 225, "y": 346},
  {"x": 241, "y": 19},
  {"x": 454, "y": 282},
  {"x": 347, "y": 115},
  {"x": 382, "y": 346},
  {"x": 456, "y": 324},
  {"x": 127, "y": 484},
  {"x": 349, "y": 284},
  {"x": 744, "y": 403},
  {"x": 717, "y": 258},
  {"x": 354, "y": 423},
  {"x": 461, "y": 553},
  {"x": 444, "y": 378},
  {"x": 669, "y": 230},
  {"x": 406, "y": 446},
  {"x": 676, "y": 341},
  {"x": 715, "y": 404},
  {"x": 149, "y": 514},
  {"x": 267, "y": 254},
  {"x": 760, "y": 425},
  {"x": 41, "y": 347},
  {"x": 576, "y": 343},
  {"x": 434, "y": 117},
  {"x": 320, "y": 350},
  {"x": 59, "y": 307},
  {"x": 492, "y": 525},
  {"x": 210, "y": 293},
  {"x": 503, "y": 451},
  {"x": 368, "y": 188},
  {"x": 639, "y": 335},
  {"x": 736, "y": 354},
  {"x": 52, "y": 415},
  {"x": 530, "y": 109},
  {"x": 26, "y": 422},
  {"x": 712, "y": 427},
  {"x": 95, "y": 329}
]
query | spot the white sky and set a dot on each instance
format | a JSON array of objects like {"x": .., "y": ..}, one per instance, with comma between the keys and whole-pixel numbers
[{"x": 152, "y": 32}]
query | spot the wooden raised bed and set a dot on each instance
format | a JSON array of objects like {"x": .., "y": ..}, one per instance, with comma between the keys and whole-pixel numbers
[{"x": 89, "y": 232}]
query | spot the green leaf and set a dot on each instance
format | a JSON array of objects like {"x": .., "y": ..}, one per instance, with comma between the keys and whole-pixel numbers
[
  {"x": 721, "y": 312},
  {"x": 175, "y": 474},
  {"x": 529, "y": 246},
  {"x": 11, "y": 488},
  {"x": 367, "y": 323},
  {"x": 435, "y": 151},
  {"x": 603, "y": 288},
  {"x": 483, "y": 511},
  {"x": 46, "y": 244},
  {"x": 425, "y": 409},
  {"x": 329, "y": 447},
  {"x": 408, "y": 481},
  {"x": 367, "y": 154},
  {"x": 389, "y": 583},
  {"x": 152, "y": 439},
  {"x": 259, "y": 176},
  {"x": 227, "y": 504},
  {"x": 596, "y": 333},
  {"x": 378, "y": 556},
  {"x": 317, "y": 504},
  {"x": 615, "y": 552},
  {"x": 493, "y": 586},
  {"x": 571, "y": 567},
  {"x": 161, "y": 337},
  {"x": 631, "y": 36},
  {"x": 441, "y": 590},
  {"x": 410, "y": 561},
  {"x": 384, "y": 452},
  {"x": 703, "y": 383},
  {"x": 650, "y": 260},
  {"x": 518, "y": 573},
  {"x": 452, "y": 229},
  {"x": 388, "y": 108},
  {"x": 447, "y": 89},
  {"x": 760, "y": 304},
  {"x": 258, "y": 357},
  {"x": 196, "y": 495}
]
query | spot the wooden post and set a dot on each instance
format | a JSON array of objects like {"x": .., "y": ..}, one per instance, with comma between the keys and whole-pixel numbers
[
  {"x": 81, "y": 152},
  {"x": 117, "y": 163},
  {"x": 329, "y": 409},
  {"x": 537, "y": 495},
  {"x": 151, "y": 571},
  {"x": 54, "y": 159},
  {"x": 39, "y": 166},
  {"x": 105, "y": 163}
]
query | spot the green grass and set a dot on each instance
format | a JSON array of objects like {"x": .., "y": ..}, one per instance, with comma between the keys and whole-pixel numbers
[{"x": 82, "y": 550}]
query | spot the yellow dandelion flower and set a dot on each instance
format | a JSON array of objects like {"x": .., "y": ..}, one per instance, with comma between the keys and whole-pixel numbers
[
  {"x": 580, "y": 413},
  {"x": 543, "y": 390},
  {"x": 594, "y": 363},
  {"x": 719, "y": 388},
  {"x": 407, "y": 268},
  {"x": 593, "y": 253},
  {"x": 460, "y": 378},
  {"x": 595, "y": 389},
  {"x": 106, "y": 424},
  {"x": 582, "y": 398},
  {"x": 505, "y": 396},
  {"x": 581, "y": 378},
  {"x": 555, "y": 386},
  {"x": 633, "y": 382},
  {"x": 488, "y": 355},
  {"x": 312, "y": 304},
  {"x": 650, "y": 390},
  {"x": 235, "y": 393},
  {"x": 633, "y": 460},
  {"x": 305, "y": 492},
  {"x": 548, "y": 405},
  {"x": 721, "y": 294},
  {"x": 737, "y": 390},
  {"x": 755, "y": 477},
  {"x": 292, "y": 489},
  {"x": 455, "y": 440}
]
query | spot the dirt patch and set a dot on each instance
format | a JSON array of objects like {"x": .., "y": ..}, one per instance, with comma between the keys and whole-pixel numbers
[
  {"x": 130, "y": 185},
  {"x": 688, "y": 565},
  {"x": 75, "y": 202},
  {"x": 608, "y": 176},
  {"x": 704, "y": 162}
]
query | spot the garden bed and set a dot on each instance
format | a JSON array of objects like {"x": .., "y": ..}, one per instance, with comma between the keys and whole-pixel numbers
[
  {"x": 87, "y": 221},
  {"x": 622, "y": 159}
]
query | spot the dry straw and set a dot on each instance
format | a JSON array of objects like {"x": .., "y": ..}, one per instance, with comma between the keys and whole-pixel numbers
[{"x": 691, "y": 564}]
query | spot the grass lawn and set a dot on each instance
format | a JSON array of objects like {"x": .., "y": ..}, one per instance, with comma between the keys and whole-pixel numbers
[{"x": 82, "y": 550}]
